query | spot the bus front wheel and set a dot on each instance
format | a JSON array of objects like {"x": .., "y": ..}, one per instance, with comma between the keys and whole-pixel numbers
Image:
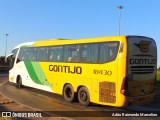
[
  {"x": 83, "y": 96},
  {"x": 68, "y": 93},
  {"x": 19, "y": 82}
]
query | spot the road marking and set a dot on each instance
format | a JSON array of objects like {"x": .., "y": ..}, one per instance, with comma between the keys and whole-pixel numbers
[{"x": 6, "y": 102}]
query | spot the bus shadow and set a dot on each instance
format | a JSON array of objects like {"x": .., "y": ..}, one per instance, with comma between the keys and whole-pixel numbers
[{"x": 60, "y": 98}]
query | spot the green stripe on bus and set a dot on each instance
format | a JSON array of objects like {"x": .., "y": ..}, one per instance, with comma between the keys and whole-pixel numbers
[
  {"x": 40, "y": 73},
  {"x": 32, "y": 72}
]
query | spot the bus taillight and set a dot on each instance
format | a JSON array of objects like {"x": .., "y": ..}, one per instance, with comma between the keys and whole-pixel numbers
[
  {"x": 123, "y": 91},
  {"x": 124, "y": 86}
]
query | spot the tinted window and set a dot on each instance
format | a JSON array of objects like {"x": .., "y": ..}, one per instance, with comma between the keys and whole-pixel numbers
[
  {"x": 55, "y": 53},
  {"x": 42, "y": 54},
  {"x": 81, "y": 53},
  {"x": 108, "y": 51},
  {"x": 90, "y": 53},
  {"x": 72, "y": 53},
  {"x": 22, "y": 54},
  {"x": 31, "y": 54}
]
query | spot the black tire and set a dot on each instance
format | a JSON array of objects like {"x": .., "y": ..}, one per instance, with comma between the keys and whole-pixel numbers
[
  {"x": 84, "y": 96},
  {"x": 19, "y": 82},
  {"x": 68, "y": 93}
]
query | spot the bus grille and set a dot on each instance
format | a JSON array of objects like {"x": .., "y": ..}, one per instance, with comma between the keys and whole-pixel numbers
[
  {"x": 142, "y": 69},
  {"x": 107, "y": 92}
]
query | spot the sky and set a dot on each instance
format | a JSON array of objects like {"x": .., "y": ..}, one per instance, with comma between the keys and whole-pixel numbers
[{"x": 32, "y": 20}]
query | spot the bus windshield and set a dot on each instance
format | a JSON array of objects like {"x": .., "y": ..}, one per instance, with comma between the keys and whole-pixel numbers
[{"x": 12, "y": 58}]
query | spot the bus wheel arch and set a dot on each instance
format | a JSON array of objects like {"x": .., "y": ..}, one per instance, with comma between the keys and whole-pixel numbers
[
  {"x": 83, "y": 96},
  {"x": 68, "y": 92},
  {"x": 19, "y": 81}
]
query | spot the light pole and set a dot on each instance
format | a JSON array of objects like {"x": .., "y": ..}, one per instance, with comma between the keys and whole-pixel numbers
[
  {"x": 6, "y": 44},
  {"x": 119, "y": 19}
]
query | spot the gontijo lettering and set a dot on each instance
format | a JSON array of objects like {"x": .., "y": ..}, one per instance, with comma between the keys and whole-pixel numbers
[
  {"x": 66, "y": 69},
  {"x": 142, "y": 61}
]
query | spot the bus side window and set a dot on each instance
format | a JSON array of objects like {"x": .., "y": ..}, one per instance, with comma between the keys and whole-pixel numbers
[
  {"x": 55, "y": 53},
  {"x": 72, "y": 53},
  {"x": 42, "y": 54},
  {"x": 90, "y": 53},
  {"x": 32, "y": 54},
  {"x": 104, "y": 53},
  {"x": 113, "y": 50},
  {"x": 84, "y": 54},
  {"x": 111, "y": 54},
  {"x": 22, "y": 55},
  {"x": 108, "y": 51}
]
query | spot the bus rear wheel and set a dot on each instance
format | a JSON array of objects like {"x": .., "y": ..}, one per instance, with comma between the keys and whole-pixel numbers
[
  {"x": 19, "y": 82},
  {"x": 83, "y": 96},
  {"x": 68, "y": 93}
]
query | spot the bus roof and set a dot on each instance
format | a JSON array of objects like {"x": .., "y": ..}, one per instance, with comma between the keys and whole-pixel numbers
[
  {"x": 24, "y": 44},
  {"x": 51, "y": 42},
  {"x": 76, "y": 41}
]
